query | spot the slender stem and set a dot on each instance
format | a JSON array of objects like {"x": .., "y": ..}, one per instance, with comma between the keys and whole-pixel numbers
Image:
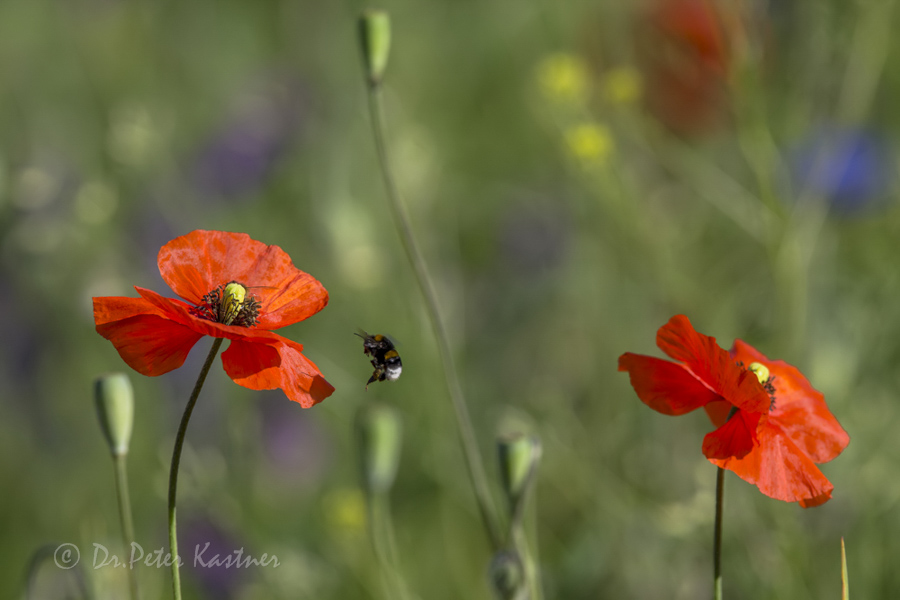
[
  {"x": 176, "y": 460},
  {"x": 522, "y": 526},
  {"x": 845, "y": 579},
  {"x": 463, "y": 421},
  {"x": 120, "y": 462},
  {"x": 717, "y": 535},
  {"x": 381, "y": 531},
  {"x": 533, "y": 562},
  {"x": 529, "y": 563}
]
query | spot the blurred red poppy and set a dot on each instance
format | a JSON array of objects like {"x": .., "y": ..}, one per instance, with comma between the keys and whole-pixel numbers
[
  {"x": 683, "y": 47},
  {"x": 772, "y": 426},
  {"x": 235, "y": 288}
]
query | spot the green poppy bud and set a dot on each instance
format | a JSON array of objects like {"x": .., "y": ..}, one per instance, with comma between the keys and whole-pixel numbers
[
  {"x": 375, "y": 36},
  {"x": 379, "y": 433},
  {"x": 519, "y": 455},
  {"x": 114, "y": 398},
  {"x": 507, "y": 576}
]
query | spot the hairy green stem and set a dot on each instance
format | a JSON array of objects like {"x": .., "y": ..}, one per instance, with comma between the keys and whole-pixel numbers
[
  {"x": 119, "y": 460},
  {"x": 463, "y": 421},
  {"x": 176, "y": 460}
]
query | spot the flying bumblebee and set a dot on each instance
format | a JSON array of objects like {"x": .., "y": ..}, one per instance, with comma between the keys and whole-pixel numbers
[{"x": 385, "y": 358}]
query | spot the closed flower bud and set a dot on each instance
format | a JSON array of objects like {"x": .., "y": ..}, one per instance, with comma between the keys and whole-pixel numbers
[
  {"x": 379, "y": 433},
  {"x": 519, "y": 455},
  {"x": 375, "y": 34},
  {"x": 507, "y": 576},
  {"x": 115, "y": 408}
]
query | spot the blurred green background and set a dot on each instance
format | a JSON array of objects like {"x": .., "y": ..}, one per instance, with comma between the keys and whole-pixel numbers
[{"x": 576, "y": 174}]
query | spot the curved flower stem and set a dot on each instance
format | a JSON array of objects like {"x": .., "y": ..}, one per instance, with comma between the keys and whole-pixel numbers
[
  {"x": 176, "y": 460},
  {"x": 119, "y": 461},
  {"x": 463, "y": 421},
  {"x": 717, "y": 535}
]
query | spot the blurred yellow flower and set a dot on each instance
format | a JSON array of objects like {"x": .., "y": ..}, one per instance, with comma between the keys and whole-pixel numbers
[
  {"x": 345, "y": 510},
  {"x": 564, "y": 77},
  {"x": 591, "y": 143},
  {"x": 622, "y": 85}
]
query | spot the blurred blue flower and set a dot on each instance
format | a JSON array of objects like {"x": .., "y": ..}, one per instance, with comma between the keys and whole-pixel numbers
[{"x": 849, "y": 168}]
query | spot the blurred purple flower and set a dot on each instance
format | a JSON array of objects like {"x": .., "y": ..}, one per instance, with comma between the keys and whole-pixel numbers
[
  {"x": 298, "y": 449},
  {"x": 534, "y": 238},
  {"x": 205, "y": 548},
  {"x": 849, "y": 168},
  {"x": 241, "y": 155}
]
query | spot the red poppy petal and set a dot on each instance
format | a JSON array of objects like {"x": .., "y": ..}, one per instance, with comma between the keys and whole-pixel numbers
[
  {"x": 198, "y": 262},
  {"x": 665, "y": 386},
  {"x": 800, "y": 409},
  {"x": 298, "y": 297},
  {"x": 108, "y": 309},
  {"x": 780, "y": 469},
  {"x": 712, "y": 365},
  {"x": 265, "y": 367},
  {"x": 148, "y": 343},
  {"x": 735, "y": 438},
  {"x": 718, "y": 412}
]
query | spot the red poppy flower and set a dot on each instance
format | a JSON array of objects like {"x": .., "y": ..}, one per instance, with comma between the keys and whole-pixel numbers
[
  {"x": 779, "y": 426},
  {"x": 235, "y": 288},
  {"x": 685, "y": 57}
]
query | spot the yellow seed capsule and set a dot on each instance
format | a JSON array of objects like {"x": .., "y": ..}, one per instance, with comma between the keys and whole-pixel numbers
[
  {"x": 232, "y": 301},
  {"x": 761, "y": 370}
]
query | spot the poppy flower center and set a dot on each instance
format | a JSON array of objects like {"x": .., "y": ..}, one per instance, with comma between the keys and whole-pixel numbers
[
  {"x": 765, "y": 379},
  {"x": 229, "y": 304}
]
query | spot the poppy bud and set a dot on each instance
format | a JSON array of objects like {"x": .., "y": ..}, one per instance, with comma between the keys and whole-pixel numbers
[
  {"x": 114, "y": 398},
  {"x": 507, "y": 575},
  {"x": 375, "y": 35},
  {"x": 380, "y": 434},
  {"x": 761, "y": 371},
  {"x": 519, "y": 455}
]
